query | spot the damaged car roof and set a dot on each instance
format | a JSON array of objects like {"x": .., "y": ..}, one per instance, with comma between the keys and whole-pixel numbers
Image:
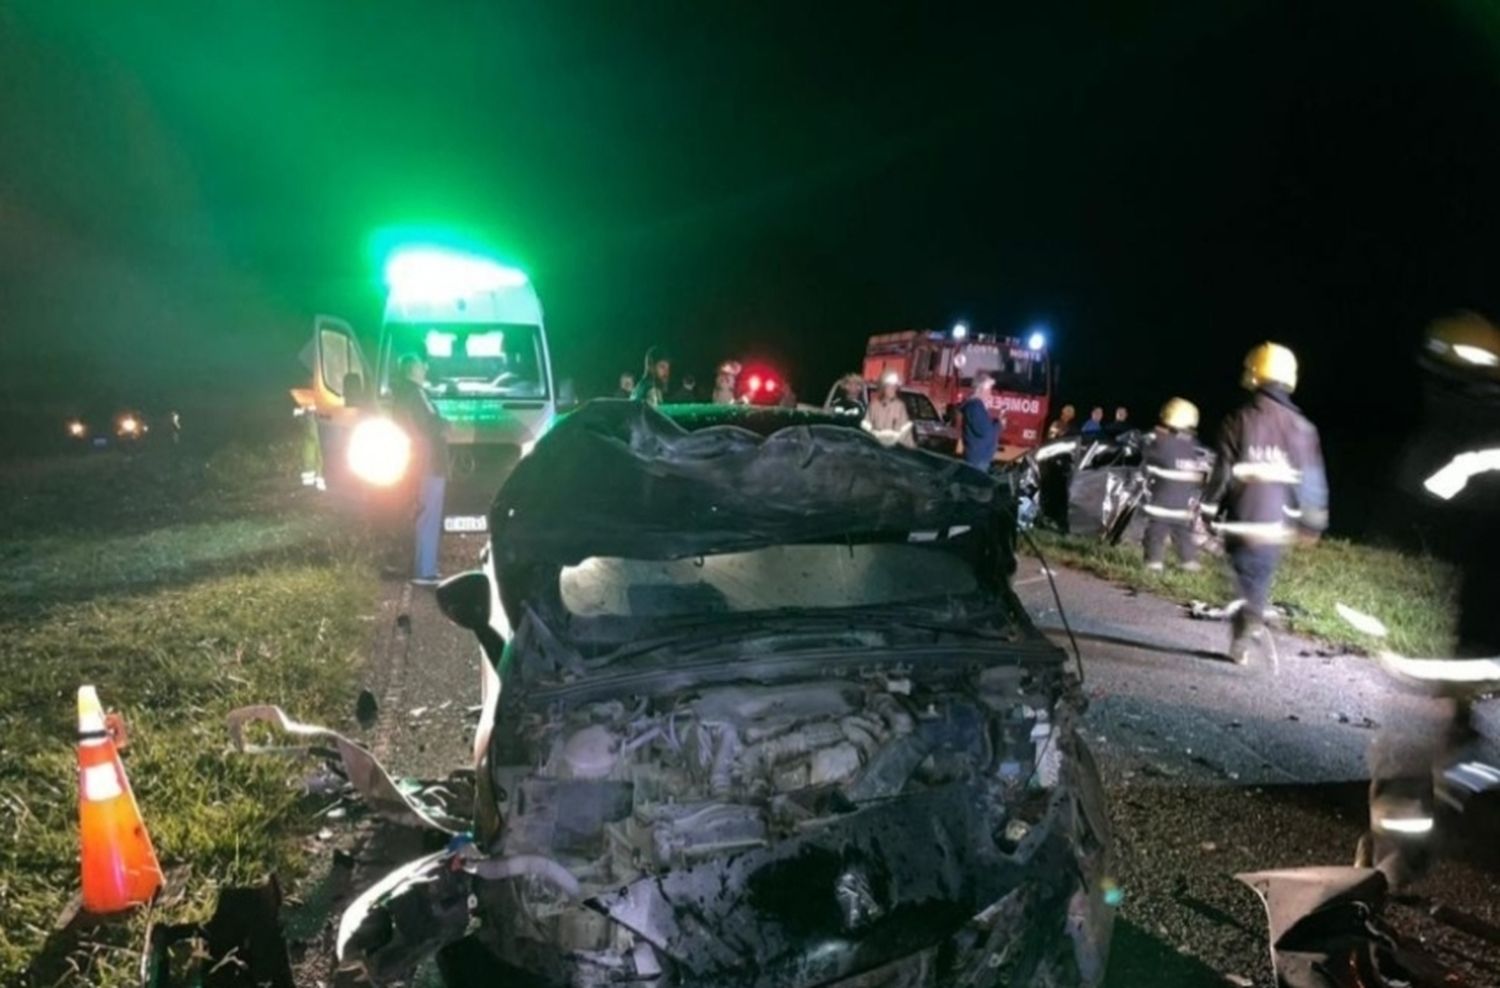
[{"x": 622, "y": 478}]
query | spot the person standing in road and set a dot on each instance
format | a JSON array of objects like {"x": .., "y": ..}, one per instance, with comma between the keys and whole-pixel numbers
[
  {"x": 849, "y": 398},
  {"x": 1175, "y": 474},
  {"x": 1064, "y": 424},
  {"x": 1093, "y": 429},
  {"x": 1450, "y": 485},
  {"x": 1121, "y": 422},
  {"x": 887, "y": 418},
  {"x": 627, "y": 386},
  {"x": 656, "y": 380},
  {"x": 725, "y": 383},
  {"x": 981, "y": 434},
  {"x": 413, "y": 411},
  {"x": 1268, "y": 484},
  {"x": 305, "y": 408},
  {"x": 687, "y": 391}
]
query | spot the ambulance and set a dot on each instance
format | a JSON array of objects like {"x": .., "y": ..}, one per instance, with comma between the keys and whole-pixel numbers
[{"x": 479, "y": 325}]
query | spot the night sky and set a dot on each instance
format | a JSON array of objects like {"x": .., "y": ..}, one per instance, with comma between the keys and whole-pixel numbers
[{"x": 1162, "y": 184}]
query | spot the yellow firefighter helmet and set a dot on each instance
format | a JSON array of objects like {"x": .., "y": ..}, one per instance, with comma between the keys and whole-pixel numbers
[
  {"x": 1466, "y": 342},
  {"x": 1180, "y": 414},
  {"x": 1270, "y": 363}
]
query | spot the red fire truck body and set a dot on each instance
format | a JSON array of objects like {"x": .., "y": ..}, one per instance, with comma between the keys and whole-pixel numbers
[{"x": 943, "y": 368}]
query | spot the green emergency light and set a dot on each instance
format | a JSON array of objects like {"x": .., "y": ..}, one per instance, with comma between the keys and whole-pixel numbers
[{"x": 435, "y": 274}]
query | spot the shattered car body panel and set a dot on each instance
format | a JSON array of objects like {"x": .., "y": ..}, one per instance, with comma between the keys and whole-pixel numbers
[{"x": 878, "y": 785}]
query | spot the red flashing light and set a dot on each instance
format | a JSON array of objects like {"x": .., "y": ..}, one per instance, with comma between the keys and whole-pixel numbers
[
  {"x": 770, "y": 384},
  {"x": 754, "y": 382}
]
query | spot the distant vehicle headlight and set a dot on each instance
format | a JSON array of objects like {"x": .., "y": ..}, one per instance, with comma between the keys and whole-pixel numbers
[
  {"x": 76, "y": 429},
  {"x": 130, "y": 425},
  {"x": 379, "y": 452}
]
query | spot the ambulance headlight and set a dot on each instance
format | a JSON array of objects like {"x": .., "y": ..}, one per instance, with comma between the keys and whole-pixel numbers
[{"x": 379, "y": 452}]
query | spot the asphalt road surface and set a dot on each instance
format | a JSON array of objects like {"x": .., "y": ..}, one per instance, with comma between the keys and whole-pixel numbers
[{"x": 1212, "y": 769}]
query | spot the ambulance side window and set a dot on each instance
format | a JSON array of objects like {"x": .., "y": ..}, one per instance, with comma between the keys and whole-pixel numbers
[{"x": 337, "y": 360}]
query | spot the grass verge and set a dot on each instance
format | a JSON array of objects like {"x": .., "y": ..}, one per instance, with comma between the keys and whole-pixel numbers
[
  {"x": 1413, "y": 595},
  {"x": 177, "y": 616}
]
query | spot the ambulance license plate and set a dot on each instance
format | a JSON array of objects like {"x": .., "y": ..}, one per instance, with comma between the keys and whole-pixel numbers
[{"x": 465, "y": 523}]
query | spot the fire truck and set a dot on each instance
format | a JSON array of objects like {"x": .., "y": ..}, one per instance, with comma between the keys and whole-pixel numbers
[{"x": 942, "y": 366}]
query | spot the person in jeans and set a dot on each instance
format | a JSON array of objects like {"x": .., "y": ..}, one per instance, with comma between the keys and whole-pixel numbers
[{"x": 413, "y": 411}]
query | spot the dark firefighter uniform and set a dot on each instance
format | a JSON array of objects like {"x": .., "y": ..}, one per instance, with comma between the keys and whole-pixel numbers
[
  {"x": 1268, "y": 484},
  {"x": 1454, "y": 469},
  {"x": 1450, "y": 486},
  {"x": 1175, "y": 475}
]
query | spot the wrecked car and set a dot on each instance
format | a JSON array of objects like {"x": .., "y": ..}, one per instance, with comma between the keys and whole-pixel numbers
[
  {"x": 760, "y": 709},
  {"x": 1090, "y": 487}
]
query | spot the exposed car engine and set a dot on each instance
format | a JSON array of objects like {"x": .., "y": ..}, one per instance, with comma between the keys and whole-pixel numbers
[{"x": 616, "y": 791}]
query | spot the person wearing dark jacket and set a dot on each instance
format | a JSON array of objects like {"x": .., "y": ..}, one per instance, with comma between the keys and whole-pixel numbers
[
  {"x": 1269, "y": 485},
  {"x": 413, "y": 411},
  {"x": 1449, "y": 485},
  {"x": 849, "y": 397},
  {"x": 1175, "y": 474},
  {"x": 981, "y": 434}
]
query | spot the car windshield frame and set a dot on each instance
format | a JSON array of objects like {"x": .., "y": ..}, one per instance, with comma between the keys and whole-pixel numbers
[
  {"x": 421, "y": 336},
  {"x": 969, "y": 612}
]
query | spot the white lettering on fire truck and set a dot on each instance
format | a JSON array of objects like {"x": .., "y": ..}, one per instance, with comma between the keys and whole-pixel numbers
[{"x": 1015, "y": 403}]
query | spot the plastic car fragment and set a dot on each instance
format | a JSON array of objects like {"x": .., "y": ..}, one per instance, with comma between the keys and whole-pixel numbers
[
  {"x": 364, "y": 772},
  {"x": 1327, "y": 932}
]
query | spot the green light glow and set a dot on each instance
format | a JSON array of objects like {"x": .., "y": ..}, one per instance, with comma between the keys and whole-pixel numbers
[{"x": 435, "y": 273}]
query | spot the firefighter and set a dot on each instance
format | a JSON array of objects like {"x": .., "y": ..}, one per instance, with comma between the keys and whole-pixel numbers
[
  {"x": 656, "y": 378},
  {"x": 305, "y": 408},
  {"x": 1268, "y": 485},
  {"x": 887, "y": 418},
  {"x": 1175, "y": 474},
  {"x": 1451, "y": 483},
  {"x": 1458, "y": 454},
  {"x": 849, "y": 399}
]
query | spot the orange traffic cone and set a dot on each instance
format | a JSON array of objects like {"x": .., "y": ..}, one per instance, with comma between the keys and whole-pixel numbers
[{"x": 119, "y": 864}]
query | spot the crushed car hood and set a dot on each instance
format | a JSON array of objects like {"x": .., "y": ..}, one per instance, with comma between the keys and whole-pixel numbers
[{"x": 620, "y": 478}]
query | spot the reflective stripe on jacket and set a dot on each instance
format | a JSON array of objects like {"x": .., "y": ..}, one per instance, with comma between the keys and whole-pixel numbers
[{"x": 1175, "y": 474}]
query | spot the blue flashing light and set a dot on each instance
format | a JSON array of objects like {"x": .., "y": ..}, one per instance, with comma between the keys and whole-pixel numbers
[
  {"x": 960, "y": 330},
  {"x": 1037, "y": 340}
]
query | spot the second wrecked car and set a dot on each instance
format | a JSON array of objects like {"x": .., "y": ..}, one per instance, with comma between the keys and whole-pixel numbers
[{"x": 761, "y": 710}]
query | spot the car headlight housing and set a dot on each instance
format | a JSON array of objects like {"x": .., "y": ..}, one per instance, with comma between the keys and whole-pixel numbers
[{"x": 379, "y": 452}]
